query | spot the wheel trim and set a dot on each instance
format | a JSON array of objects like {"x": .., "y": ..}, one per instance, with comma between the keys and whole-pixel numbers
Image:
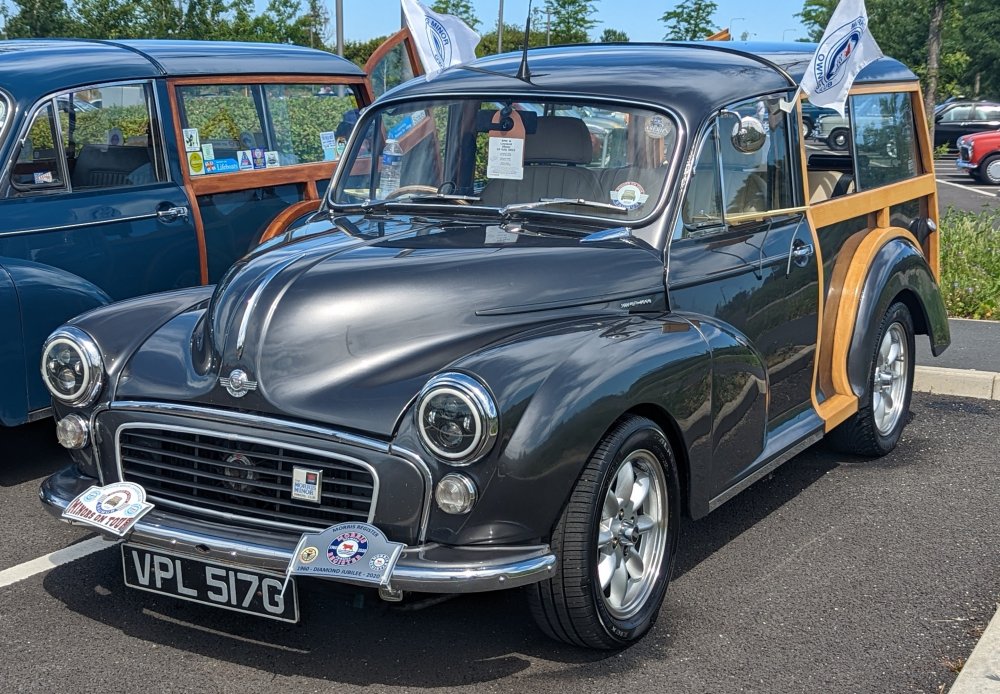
[
  {"x": 632, "y": 534},
  {"x": 889, "y": 383},
  {"x": 993, "y": 171}
]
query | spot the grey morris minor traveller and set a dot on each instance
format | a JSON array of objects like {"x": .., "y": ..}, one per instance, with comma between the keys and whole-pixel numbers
[{"x": 550, "y": 304}]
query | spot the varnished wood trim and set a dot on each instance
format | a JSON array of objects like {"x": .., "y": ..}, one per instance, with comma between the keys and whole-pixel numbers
[
  {"x": 290, "y": 213},
  {"x": 751, "y": 216},
  {"x": 402, "y": 36},
  {"x": 312, "y": 193},
  {"x": 884, "y": 88},
  {"x": 837, "y": 409},
  {"x": 199, "y": 226},
  {"x": 820, "y": 304},
  {"x": 242, "y": 180},
  {"x": 872, "y": 201},
  {"x": 926, "y": 148}
]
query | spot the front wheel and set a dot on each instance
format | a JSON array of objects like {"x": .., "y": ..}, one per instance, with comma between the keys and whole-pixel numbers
[
  {"x": 876, "y": 428},
  {"x": 615, "y": 542},
  {"x": 989, "y": 170},
  {"x": 839, "y": 139}
]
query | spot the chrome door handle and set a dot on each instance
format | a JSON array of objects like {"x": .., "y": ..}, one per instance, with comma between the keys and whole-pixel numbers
[
  {"x": 172, "y": 213},
  {"x": 799, "y": 255}
]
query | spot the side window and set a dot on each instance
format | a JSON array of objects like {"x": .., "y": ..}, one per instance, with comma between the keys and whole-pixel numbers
[
  {"x": 757, "y": 181},
  {"x": 957, "y": 114},
  {"x": 37, "y": 168},
  {"x": 108, "y": 137},
  {"x": 884, "y": 139},
  {"x": 239, "y": 127}
]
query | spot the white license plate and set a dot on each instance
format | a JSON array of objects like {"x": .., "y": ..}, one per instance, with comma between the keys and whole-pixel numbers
[{"x": 229, "y": 587}]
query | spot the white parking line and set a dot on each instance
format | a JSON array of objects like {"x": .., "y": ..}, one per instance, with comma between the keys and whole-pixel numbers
[
  {"x": 52, "y": 560},
  {"x": 968, "y": 188}
]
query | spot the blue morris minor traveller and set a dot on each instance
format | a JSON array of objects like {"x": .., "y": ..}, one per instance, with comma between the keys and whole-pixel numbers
[{"x": 550, "y": 304}]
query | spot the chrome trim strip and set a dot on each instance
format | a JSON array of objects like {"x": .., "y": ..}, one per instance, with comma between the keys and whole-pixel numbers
[
  {"x": 417, "y": 462},
  {"x": 250, "y": 420},
  {"x": 249, "y": 439},
  {"x": 251, "y": 305},
  {"x": 43, "y": 413},
  {"x": 78, "y": 225}
]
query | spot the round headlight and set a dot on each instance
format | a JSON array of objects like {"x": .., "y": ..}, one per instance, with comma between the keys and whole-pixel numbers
[
  {"x": 457, "y": 418},
  {"x": 71, "y": 367}
]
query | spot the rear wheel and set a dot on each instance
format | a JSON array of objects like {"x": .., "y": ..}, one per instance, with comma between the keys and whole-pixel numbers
[
  {"x": 615, "y": 542},
  {"x": 879, "y": 422},
  {"x": 839, "y": 139}
]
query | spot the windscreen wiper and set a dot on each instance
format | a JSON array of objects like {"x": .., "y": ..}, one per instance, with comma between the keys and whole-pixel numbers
[{"x": 547, "y": 202}]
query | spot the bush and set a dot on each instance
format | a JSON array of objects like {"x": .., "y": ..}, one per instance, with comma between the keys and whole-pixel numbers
[{"x": 970, "y": 264}]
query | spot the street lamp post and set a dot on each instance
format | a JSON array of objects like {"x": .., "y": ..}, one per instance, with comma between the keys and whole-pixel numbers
[{"x": 500, "y": 29}]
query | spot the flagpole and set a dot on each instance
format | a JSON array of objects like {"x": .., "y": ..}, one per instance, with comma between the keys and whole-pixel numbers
[{"x": 500, "y": 30}]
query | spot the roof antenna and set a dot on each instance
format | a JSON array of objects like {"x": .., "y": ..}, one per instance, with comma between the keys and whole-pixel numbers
[{"x": 523, "y": 72}]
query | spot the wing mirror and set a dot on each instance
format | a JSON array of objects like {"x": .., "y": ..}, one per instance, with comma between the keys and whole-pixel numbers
[{"x": 748, "y": 134}]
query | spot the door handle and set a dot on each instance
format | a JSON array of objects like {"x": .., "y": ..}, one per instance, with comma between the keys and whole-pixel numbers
[
  {"x": 799, "y": 255},
  {"x": 172, "y": 213}
]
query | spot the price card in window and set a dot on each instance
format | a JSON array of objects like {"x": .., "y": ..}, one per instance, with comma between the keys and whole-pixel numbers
[{"x": 505, "y": 156}]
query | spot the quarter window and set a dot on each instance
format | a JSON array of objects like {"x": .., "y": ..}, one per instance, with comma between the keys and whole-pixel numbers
[
  {"x": 884, "y": 139},
  {"x": 37, "y": 166}
]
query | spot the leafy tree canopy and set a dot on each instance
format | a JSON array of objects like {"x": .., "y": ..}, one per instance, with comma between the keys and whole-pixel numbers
[{"x": 690, "y": 20}]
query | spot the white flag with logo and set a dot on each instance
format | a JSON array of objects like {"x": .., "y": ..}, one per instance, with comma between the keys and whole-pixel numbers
[
  {"x": 441, "y": 40},
  {"x": 846, "y": 47}
]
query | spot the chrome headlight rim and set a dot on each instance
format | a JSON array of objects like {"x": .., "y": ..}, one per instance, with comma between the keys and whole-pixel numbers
[
  {"x": 478, "y": 398},
  {"x": 90, "y": 357}
]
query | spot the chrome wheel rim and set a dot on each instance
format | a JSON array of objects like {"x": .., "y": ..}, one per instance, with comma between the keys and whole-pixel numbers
[
  {"x": 890, "y": 380},
  {"x": 993, "y": 171},
  {"x": 632, "y": 535}
]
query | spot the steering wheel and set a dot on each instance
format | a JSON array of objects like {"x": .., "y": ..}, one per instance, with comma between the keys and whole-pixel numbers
[{"x": 419, "y": 188}]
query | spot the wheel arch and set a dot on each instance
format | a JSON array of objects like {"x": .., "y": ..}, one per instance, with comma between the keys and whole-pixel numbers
[{"x": 668, "y": 424}]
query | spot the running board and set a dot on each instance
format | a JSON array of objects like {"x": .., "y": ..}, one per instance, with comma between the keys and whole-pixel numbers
[{"x": 812, "y": 424}]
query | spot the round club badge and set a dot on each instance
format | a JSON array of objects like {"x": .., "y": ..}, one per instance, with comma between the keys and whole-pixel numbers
[
  {"x": 307, "y": 555},
  {"x": 112, "y": 501},
  {"x": 378, "y": 562},
  {"x": 629, "y": 195},
  {"x": 347, "y": 548},
  {"x": 658, "y": 127}
]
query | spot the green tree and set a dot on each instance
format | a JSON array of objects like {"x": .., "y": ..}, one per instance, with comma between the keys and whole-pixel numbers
[
  {"x": 569, "y": 21},
  {"x": 358, "y": 52},
  {"x": 513, "y": 39},
  {"x": 460, "y": 8},
  {"x": 610, "y": 35},
  {"x": 37, "y": 18},
  {"x": 690, "y": 20}
]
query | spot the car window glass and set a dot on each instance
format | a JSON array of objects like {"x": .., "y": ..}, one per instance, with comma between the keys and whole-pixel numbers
[
  {"x": 36, "y": 168},
  {"x": 108, "y": 138},
  {"x": 242, "y": 127},
  {"x": 957, "y": 113},
  {"x": 884, "y": 139},
  {"x": 306, "y": 118},
  {"x": 756, "y": 181},
  {"x": 702, "y": 208},
  {"x": 988, "y": 113},
  {"x": 393, "y": 69}
]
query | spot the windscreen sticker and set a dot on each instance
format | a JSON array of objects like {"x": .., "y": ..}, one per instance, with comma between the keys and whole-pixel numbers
[
  {"x": 658, "y": 127},
  {"x": 258, "y": 158},
  {"x": 496, "y": 234},
  {"x": 629, "y": 195},
  {"x": 196, "y": 163},
  {"x": 43, "y": 177},
  {"x": 209, "y": 166},
  {"x": 115, "y": 137},
  {"x": 192, "y": 141},
  {"x": 224, "y": 165},
  {"x": 505, "y": 155},
  {"x": 341, "y": 146},
  {"x": 245, "y": 160},
  {"x": 271, "y": 159},
  {"x": 208, "y": 150},
  {"x": 328, "y": 141}
]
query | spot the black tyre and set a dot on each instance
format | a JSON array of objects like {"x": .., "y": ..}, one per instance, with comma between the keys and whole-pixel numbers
[
  {"x": 807, "y": 127},
  {"x": 879, "y": 422},
  {"x": 839, "y": 139},
  {"x": 615, "y": 542},
  {"x": 989, "y": 170}
]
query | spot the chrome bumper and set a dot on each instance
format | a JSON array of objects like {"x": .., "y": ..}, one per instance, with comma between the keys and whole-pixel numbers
[
  {"x": 959, "y": 164},
  {"x": 428, "y": 568}
]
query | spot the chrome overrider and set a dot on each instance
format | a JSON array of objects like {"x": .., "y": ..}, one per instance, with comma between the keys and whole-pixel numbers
[{"x": 427, "y": 567}]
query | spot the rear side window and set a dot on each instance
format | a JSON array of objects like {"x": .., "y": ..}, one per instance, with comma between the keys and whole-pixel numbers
[
  {"x": 37, "y": 167},
  {"x": 884, "y": 139},
  {"x": 242, "y": 127}
]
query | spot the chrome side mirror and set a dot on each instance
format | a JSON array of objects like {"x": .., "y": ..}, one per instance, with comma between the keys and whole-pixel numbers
[{"x": 748, "y": 135}]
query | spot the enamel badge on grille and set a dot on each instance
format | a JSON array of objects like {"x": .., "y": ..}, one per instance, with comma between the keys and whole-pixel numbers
[{"x": 307, "y": 485}]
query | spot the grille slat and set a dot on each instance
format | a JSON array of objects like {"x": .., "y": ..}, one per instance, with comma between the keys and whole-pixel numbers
[{"x": 199, "y": 470}]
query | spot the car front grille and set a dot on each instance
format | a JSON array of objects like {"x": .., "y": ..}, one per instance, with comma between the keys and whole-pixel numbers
[
  {"x": 965, "y": 153},
  {"x": 249, "y": 480}
]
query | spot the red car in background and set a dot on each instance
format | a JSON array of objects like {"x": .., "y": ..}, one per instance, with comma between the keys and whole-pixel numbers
[{"x": 979, "y": 154}]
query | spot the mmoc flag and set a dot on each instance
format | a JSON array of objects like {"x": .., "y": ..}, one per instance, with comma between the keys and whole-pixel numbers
[
  {"x": 846, "y": 48},
  {"x": 442, "y": 40}
]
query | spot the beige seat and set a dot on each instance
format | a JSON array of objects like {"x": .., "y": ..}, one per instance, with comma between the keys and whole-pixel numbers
[{"x": 555, "y": 156}]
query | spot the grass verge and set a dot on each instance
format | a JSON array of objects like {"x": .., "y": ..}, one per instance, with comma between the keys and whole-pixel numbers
[{"x": 970, "y": 263}]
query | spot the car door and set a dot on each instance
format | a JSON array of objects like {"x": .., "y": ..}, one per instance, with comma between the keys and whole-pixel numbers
[
  {"x": 743, "y": 257},
  {"x": 90, "y": 212},
  {"x": 951, "y": 124}
]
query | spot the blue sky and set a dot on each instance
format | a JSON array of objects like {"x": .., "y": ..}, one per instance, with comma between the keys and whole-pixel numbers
[{"x": 640, "y": 19}]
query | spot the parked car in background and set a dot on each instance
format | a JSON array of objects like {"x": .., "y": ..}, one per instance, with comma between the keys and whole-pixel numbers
[
  {"x": 964, "y": 118},
  {"x": 810, "y": 114},
  {"x": 979, "y": 155},
  {"x": 132, "y": 167},
  {"x": 492, "y": 360}
]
